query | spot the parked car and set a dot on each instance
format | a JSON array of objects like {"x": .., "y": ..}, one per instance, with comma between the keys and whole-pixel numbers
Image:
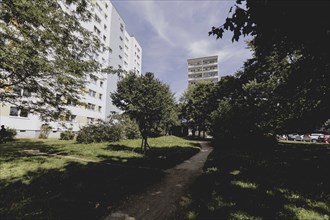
[
  {"x": 324, "y": 138},
  {"x": 293, "y": 137},
  {"x": 299, "y": 138},
  {"x": 306, "y": 138},
  {"x": 315, "y": 137}
]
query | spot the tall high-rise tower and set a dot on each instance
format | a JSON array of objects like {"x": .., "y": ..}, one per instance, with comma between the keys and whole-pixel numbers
[{"x": 203, "y": 69}]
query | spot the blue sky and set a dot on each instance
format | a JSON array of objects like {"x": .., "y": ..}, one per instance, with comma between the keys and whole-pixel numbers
[{"x": 170, "y": 32}]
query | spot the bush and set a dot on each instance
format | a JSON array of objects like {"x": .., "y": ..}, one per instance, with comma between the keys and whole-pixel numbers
[
  {"x": 11, "y": 133},
  {"x": 44, "y": 131},
  {"x": 99, "y": 133},
  {"x": 67, "y": 135},
  {"x": 7, "y": 135}
]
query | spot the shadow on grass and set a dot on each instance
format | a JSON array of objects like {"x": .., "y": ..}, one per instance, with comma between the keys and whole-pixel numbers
[
  {"x": 77, "y": 192},
  {"x": 83, "y": 191},
  {"x": 283, "y": 181},
  {"x": 17, "y": 148},
  {"x": 155, "y": 158}
]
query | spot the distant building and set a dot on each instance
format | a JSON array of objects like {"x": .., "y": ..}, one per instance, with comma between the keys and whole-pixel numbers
[
  {"x": 203, "y": 69},
  {"x": 125, "y": 53}
]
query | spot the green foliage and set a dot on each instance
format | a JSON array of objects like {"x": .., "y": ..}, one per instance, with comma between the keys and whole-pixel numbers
[
  {"x": 11, "y": 133},
  {"x": 67, "y": 135},
  {"x": 197, "y": 103},
  {"x": 286, "y": 181},
  {"x": 7, "y": 134},
  {"x": 47, "y": 52},
  {"x": 100, "y": 132},
  {"x": 146, "y": 100},
  {"x": 45, "y": 130},
  {"x": 284, "y": 87},
  {"x": 130, "y": 129}
]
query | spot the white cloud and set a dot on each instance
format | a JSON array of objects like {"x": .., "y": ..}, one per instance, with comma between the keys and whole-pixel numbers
[{"x": 170, "y": 32}]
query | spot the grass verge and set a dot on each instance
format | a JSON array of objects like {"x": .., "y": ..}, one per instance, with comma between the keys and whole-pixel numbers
[
  {"x": 55, "y": 179},
  {"x": 285, "y": 181}
]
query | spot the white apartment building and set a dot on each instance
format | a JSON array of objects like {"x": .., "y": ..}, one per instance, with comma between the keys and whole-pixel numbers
[
  {"x": 203, "y": 69},
  {"x": 125, "y": 53}
]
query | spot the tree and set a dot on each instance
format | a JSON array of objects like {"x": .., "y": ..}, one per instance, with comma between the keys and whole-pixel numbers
[
  {"x": 197, "y": 105},
  {"x": 46, "y": 54},
  {"x": 291, "y": 59},
  {"x": 146, "y": 100}
]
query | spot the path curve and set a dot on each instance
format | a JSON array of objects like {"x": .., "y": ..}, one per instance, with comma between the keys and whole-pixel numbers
[{"x": 161, "y": 200}]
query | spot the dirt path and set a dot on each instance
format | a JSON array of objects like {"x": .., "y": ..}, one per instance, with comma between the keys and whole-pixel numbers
[{"x": 161, "y": 201}]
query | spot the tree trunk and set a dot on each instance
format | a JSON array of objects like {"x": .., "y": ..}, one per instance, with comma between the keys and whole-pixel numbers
[{"x": 203, "y": 134}]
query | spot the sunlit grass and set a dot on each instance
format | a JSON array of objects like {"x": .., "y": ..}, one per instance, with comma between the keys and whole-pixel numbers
[
  {"x": 239, "y": 215},
  {"x": 245, "y": 185},
  {"x": 31, "y": 155},
  {"x": 305, "y": 214}
]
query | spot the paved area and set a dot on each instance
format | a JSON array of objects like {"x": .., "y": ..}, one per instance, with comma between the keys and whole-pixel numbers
[{"x": 161, "y": 200}]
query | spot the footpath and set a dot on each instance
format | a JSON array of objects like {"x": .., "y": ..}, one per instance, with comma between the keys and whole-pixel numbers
[{"x": 161, "y": 201}]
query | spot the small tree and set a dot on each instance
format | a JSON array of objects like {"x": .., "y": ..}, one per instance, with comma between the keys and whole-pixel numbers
[
  {"x": 45, "y": 129},
  {"x": 146, "y": 100}
]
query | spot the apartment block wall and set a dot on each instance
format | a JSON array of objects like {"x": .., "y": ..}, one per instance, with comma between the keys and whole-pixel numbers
[
  {"x": 125, "y": 53},
  {"x": 203, "y": 69}
]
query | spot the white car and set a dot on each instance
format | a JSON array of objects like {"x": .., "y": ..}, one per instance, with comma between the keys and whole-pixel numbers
[{"x": 315, "y": 137}]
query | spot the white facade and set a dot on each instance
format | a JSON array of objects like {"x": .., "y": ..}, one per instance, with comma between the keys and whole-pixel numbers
[
  {"x": 125, "y": 53},
  {"x": 203, "y": 69}
]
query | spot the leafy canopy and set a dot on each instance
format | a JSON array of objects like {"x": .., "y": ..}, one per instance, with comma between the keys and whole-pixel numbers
[{"x": 146, "y": 100}]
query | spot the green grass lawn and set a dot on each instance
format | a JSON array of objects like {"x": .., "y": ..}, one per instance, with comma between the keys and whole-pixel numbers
[
  {"x": 62, "y": 179},
  {"x": 285, "y": 181}
]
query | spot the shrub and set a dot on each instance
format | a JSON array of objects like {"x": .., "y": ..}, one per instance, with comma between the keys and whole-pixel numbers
[
  {"x": 11, "y": 133},
  {"x": 130, "y": 128},
  {"x": 67, "y": 135},
  {"x": 7, "y": 135},
  {"x": 44, "y": 131},
  {"x": 100, "y": 132}
]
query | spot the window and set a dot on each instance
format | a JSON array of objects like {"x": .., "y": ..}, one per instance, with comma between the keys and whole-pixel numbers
[
  {"x": 120, "y": 47},
  {"x": 90, "y": 106},
  {"x": 106, "y": 5},
  {"x": 105, "y": 27},
  {"x": 21, "y": 92},
  {"x": 92, "y": 93},
  {"x": 93, "y": 81},
  {"x": 100, "y": 108},
  {"x": 100, "y": 96},
  {"x": 104, "y": 38},
  {"x": 14, "y": 111},
  {"x": 97, "y": 19},
  {"x": 24, "y": 113},
  {"x": 101, "y": 84},
  {"x": 99, "y": 7},
  {"x": 70, "y": 118},
  {"x": 120, "y": 57},
  {"x": 121, "y": 38},
  {"x": 96, "y": 30},
  {"x": 90, "y": 120},
  {"x": 119, "y": 66}
]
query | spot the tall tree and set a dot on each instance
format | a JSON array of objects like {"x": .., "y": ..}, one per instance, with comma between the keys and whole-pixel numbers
[
  {"x": 197, "y": 104},
  {"x": 45, "y": 53},
  {"x": 292, "y": 35},
  {"x": 146, "y": 100}
]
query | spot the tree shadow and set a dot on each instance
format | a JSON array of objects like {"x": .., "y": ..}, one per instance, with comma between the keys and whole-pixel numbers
[
  {"x": 18, "y": 148},
  {"x": 284, "y": 181},
  {"x": 76, "y": 192},
  {"x": 84, "y": 191},
  {"x": 155, "y": 157}
]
